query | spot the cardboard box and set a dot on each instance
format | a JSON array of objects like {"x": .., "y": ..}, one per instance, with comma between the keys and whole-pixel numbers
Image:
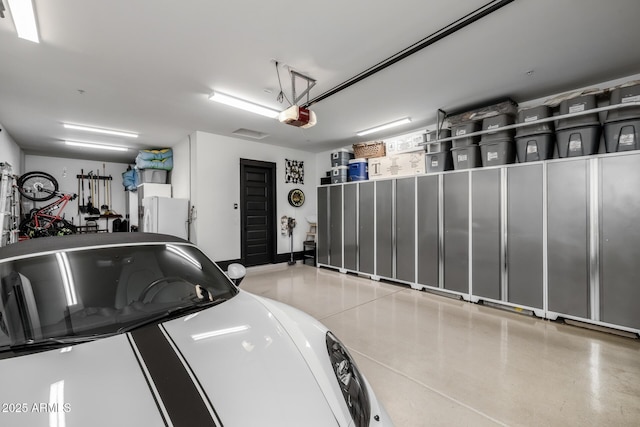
[
  {"x": 406, "y": 143},
  {"x": 398, "y": 165}
]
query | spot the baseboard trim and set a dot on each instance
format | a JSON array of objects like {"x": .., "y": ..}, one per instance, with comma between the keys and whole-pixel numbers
[{"x": 279, "y": 258}]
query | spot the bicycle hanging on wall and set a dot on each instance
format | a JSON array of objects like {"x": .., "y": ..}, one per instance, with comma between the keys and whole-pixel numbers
[{"x": 45, "y": 220}]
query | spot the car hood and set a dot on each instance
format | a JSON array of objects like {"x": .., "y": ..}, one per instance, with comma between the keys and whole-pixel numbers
[{"x": 234, "y": 361}]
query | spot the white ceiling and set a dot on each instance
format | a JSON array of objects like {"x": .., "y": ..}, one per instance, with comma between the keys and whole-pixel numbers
[{"x": 149, "y": 65}]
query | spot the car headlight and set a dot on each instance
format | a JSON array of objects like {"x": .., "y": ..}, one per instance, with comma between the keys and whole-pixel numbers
[{"x": 350, "y": 381}]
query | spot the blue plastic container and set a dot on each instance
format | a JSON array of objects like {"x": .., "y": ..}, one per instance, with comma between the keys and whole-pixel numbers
[{"x": 358, "y": 170}]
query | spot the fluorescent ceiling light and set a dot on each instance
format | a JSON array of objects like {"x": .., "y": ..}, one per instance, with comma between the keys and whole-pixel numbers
[
  {"x": 24, "y": 19},
  {"x": 99, "y": 130},
  {"x": 383, "y": 127},
  {"x": 244, "y": 105},
  {"x": 93, "y": 145}
]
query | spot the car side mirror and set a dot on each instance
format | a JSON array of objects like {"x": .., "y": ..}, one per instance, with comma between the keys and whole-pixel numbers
[{"x": 236, "y": 273}]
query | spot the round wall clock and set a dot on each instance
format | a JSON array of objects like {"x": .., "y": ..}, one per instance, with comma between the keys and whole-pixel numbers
[{"x": 296, "y": 197}]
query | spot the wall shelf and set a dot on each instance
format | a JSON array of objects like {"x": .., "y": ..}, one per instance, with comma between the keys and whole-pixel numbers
[{"x": 539, "y": 121}]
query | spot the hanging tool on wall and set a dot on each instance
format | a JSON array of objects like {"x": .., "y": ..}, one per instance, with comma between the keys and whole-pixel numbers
[
  {"x": 105, "y": 204},
  {"x": 83, "y": 206},
  {"x": 109, "y": 192},
  {"x": 96, "y": 186},
  {"x": 90, "y": 198},
  {"x": 91, "y": 207},
  {"x": 78, "y": 199}
]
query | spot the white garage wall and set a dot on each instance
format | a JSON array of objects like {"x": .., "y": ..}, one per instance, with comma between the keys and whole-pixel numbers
[
  {"x": 179, "y": 176},
  {"x": 10, "y": 152},
  {"x": 216, "y": 187},
  {"x": 65, "y": 171}
]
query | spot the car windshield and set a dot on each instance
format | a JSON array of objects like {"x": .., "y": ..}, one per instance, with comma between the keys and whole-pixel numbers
[{"x": 92, "y": 292}]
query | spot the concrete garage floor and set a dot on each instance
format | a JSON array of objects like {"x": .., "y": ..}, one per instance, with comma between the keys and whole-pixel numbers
[{"x": 437, "y": 361}]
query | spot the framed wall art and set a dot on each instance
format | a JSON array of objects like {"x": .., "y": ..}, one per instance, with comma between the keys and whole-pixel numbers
[{"x": 294, "y": 171}]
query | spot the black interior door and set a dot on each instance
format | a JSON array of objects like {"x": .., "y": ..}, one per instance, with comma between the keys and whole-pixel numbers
[{"x": 257, "y": 200}]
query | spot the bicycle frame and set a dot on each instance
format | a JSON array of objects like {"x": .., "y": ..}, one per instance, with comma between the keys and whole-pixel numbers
[{"x": 45, "y": 212}]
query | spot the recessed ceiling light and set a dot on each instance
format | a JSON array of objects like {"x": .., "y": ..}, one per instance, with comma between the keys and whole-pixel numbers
[
  {"x": 94, "y": 145},
  {"x": 99, "y": 130},
  {"x": 243, "y": 105},
  {"x": 24, "y": 19},
  {"x": 384, "y": 127}
]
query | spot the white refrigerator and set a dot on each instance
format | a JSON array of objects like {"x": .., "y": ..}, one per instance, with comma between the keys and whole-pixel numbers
[{"x": 166, "y": 215}]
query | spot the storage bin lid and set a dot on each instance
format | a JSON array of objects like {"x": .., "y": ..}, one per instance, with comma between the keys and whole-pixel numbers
[
  {"x": 466, "y": 147},
  {"x": 352, "y": 161},
  {"x": 496, "y": 122},
  {"x": 578, "y": 121},
  {"x": 496, "y": 141},
  {"x": 532, "y": 114}
]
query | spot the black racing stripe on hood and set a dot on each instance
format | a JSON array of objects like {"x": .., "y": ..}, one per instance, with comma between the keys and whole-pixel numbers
[{"x": 182, "y": 400}]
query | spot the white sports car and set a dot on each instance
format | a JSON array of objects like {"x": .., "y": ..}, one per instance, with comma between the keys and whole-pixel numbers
[{"x": 136, "y": 329}]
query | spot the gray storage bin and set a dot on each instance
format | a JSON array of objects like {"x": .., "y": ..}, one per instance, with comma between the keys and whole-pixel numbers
[
  {"x": 622, "y": 96},
  {"x": 465, "y": 128},
  {"x": 439, "y": 162},
  {"x": 622, "y": 135},
  {"x": 494, "y": 124},
  {"x": 532, "y": 148},
  {"x": 340, "y": 158},
  {"x": 465, "y": 142},
  {"x": 466, "y": 157},
  {"x": 576, "y": 105},
  {"x": 436, "y": 147},
  {"x": 156, "y": 176},
  {"x": 339, "y": 174},
  {"x": 582, "y": 141},
  {"x": 498, "y": 152},
  {"x": 432, "y": 136},
  {"x": 532, "y": 115}
]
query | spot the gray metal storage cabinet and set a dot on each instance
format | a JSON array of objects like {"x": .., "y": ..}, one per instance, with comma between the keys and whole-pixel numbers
[
  {"x": 405, "y": 218},
  {"x": 323, "y": 226},
  {"x": 568, "y": 239},
  {"x": 351, "y": 227},
  {"x": 525, "y": 238},
  {"x": 456, "y": 232},
  {"x": 335, "y": 224},
  {"x": 429, "y": 230},
  {"x": 486, "y": 232},
  {"x": 385, "y": 245},
  {"x": 620, "y": 241},
  {"x": 366, "y": 227},
  {"x": 560, "y": 238}
]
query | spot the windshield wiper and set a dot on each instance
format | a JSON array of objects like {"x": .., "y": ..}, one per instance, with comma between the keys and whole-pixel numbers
[
  {"x": 172, "y": 313},
  {"x": 52, "y": 342}
]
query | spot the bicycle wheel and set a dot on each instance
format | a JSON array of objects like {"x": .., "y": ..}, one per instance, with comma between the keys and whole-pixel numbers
[
  {"x": 62, "y": 228},
  {"x": 28, "y": 228},
  {"x": 37, "y": 186}
]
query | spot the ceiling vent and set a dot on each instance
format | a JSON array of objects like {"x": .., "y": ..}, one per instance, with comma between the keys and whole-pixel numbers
[{"x": 248, "y": 133}]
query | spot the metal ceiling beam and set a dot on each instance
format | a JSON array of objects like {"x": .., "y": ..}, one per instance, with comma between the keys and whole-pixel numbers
[
  {"x": 416, "y": 47},
  {"x": 310, "y": 84}
]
